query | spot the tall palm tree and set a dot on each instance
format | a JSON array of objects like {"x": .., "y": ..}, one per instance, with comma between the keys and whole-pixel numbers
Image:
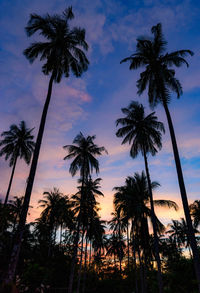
[
  {"x": 84, "y": 152},
  {"x": 133, "y": 200},
  {"x": 62, "y": 53},
  {"x": 16, "y": 143},
  {"x": 89, "y": 210},
  {"x": 144, "y": 135},
  {"x": 159, "y": 79}
]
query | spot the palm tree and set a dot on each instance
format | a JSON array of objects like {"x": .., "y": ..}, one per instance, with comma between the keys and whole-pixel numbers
[
  {"x": 56, "y": 212},
  {"x": 15, "y": 208},
  {"x": 144, "y": 135},
  {"x": 179, "y": 231},
  {"x": 133, "y": 200},
  {"x": 195, "y": 212},
  {"x": 118, "y": 226},
  {"x": 89, "y": 210},
  {"x": 56, "y": 215},
  {"x": 62, "y": 54},
  {"x": 84, "y": 152},
  {"x": 16, "y": 143},
  {"x": 115, "y": 247},
  {"x": 159, "y": 79}
]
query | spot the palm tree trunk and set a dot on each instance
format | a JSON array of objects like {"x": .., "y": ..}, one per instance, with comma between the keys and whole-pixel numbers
[
  {"x": 134, "y": 256},
  {"x": 141, "y": 273},
  {"x": 71, "y": 277},
  {"x": 80, "y": 264},
  {"x": 10, "y": 182},
  {"x": 156, "y": 245},
  {"x": 145, "y": 271},
  {"x": 145, "y": 241},
  {"x": 128, "y": 246},
  {"x": 191, "y": 233},
  {"x": 120, "y": 251},
  {"x": 74, "y": 257},
  {"x": 144, "y": 260},
  {"x": 120, "y": 265},
  {"x": 85, "y": 266},
  {"x": 17, "y": 244},
  {"x": 90, "y": 253}
]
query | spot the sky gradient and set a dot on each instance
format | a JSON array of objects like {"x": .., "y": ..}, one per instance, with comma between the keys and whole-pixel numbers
[{"x": 91, "y": 104}]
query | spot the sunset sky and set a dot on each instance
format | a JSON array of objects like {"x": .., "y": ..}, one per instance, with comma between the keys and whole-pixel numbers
[{"x": 91, "y": 104}]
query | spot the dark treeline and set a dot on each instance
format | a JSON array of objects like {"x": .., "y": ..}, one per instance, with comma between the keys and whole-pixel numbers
[
  {"x": 69, "y": 248},
  {"x": 117, "y": 255}
]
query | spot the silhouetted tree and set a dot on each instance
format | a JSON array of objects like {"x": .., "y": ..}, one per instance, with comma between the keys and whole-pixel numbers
[
  {"x": 16, "y": 143},
  {"x": 144, "y": 135},
  {"x": 159, "y": 79},
  {"x": 62, "y": 54},
  {"x": 84, "y": 152}
]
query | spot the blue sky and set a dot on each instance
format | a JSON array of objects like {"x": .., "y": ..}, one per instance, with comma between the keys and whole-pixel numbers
[{"x": 92, "y": 103}]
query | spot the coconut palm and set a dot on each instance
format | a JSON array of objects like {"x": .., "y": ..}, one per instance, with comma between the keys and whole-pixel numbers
[
  {"x": 144, "y": 135},
  {"x": 133, "y": 200},
  {"x": 57, "y": 211},
  {"x": 16, "y": 143},
  {"x": 15, "y": 208},
  {"x": 159, "y": 79},
  {"x": 119, "y": 227},
  {"x": 195, "y": 212},
  {"x": 179, "y": 231},
  {"x": 62, "y": 54},
  {"x": 89, "y": 209},
  {"x": 115, "y": 247},
  {"x": 84, "y": 152}
]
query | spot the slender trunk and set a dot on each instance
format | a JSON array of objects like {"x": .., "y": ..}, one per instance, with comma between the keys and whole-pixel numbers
[
  {"x": 80, "y": 264},
  {"x": 145, "y": 241},
  {"x": 120, "y": 252},
  {"x": 134, "y": 255},
  {"x": 71, "y": 277},
  {"x": 90, "y": 253},
  {"x": 191, "y": 233},
  {"x": 141, "y": 273},
  {"x": 144, "y": 261},
  {"x": 74, "y": 258},
  {"x": 10, "y": 182},
  {"x": 156, "y": 245},
  {"x": 128, "y": 246},
  {"x": 17, "y": 244},
  {"x": 85, "y": 266}
]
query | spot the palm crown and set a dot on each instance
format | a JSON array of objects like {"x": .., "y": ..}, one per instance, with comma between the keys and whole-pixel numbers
[
  {"x": 17, "y": 142},
  {"x": 62, "y": 50},
  {"x": 84, "y": 153},
  {"x": 133, "y": 198},
  {"x": 144, "y": 132},
  {"x": 158, "y": 76}
]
